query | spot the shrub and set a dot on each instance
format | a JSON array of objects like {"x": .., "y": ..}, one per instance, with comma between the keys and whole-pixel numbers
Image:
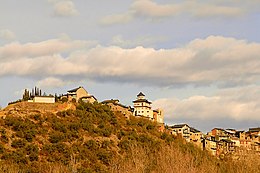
[
  {"x": 18, "y": 143},
  {"x": 4, "y": 138},
  {"x": 104, "y": 156},
  {"x": 2, "y": 149},
  {"x": 64, "y": 99},
  {"x": 92, "y": 145},
  {"x": 56, "y": 137}
]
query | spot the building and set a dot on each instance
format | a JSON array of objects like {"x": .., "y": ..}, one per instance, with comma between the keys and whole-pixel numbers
[
  {"x": 43, "y": 99},
  {"x": 142, "y": 107},
  {"x": 80, "y": 93},
  {"x": 182, "y": 130},
  {"x": 225, "y": 146},
  {"x": 196, "y": 137},
  {"x": 210, "y": 145},
  {"x": 116, "y": 106},
  {"x": 218, "y": 132},
  {"x": 158, "y": 115}
]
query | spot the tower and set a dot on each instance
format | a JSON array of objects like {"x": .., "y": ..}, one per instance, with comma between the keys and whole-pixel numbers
[{"x": 142, "y": 107}]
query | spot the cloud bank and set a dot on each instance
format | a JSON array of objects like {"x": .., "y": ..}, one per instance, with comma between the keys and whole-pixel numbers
[
  {"x": 214, "y": 60},
  {"x": 196, "y": 8},
  {"x": 236, "y": 104}
]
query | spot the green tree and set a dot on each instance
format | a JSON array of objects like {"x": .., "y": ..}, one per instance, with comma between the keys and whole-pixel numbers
[{"x": 26, "y": 95}]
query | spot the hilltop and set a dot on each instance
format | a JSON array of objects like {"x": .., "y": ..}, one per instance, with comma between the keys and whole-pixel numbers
[
  {"x": 25, "y": 108},
  {"x": 85, "y": 137}
]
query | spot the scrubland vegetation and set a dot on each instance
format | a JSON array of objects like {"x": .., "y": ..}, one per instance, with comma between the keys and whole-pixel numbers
[{"x": 94, "y": 139}]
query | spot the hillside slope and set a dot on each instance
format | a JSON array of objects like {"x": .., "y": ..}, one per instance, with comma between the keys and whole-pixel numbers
[{"x": 91, "y": 138}]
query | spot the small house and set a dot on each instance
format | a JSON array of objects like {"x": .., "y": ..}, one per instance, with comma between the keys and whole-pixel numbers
[{"x": 80, "y": 93}]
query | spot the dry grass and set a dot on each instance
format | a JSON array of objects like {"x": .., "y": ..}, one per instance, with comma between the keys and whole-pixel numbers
[{"x": 170, "y": 159}]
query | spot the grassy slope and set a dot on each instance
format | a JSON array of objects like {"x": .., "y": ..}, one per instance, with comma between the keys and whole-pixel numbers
[{"x": 91, "y": 138}]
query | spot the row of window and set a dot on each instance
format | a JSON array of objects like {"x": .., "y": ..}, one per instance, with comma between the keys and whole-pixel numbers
[{"x": 142, "y": 111}]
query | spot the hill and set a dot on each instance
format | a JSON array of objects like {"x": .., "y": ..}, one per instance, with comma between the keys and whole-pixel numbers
[{"x": 91, "y": 138}]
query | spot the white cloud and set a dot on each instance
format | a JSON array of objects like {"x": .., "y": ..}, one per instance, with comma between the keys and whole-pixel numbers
[
  {"x": 237, "y": 104},
  {"x": 213, "y": 60},
  {"x": 50, "y": 82},
  {"x": 117, "y": 18},
  {"x": 146, "y": 41},
  {"x": 64, "y": 8},
  {"x": 7, "y": 34},
  {"x": 48, "y": 47},
  {"x": 198, "y": 9}
]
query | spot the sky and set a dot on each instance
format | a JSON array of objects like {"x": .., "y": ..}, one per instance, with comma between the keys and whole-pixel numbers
[{"x": 199, "y": 60}]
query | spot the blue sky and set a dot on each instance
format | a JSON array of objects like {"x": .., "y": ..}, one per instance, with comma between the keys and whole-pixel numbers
[{"x": 199, "y": 60}]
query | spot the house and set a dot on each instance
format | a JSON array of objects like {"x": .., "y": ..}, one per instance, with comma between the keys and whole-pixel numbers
[
  {"x": 142, "y": 107},
  {"x": 241, "y": 135},
  {"x": 210, "y": 145},
  {"x": 158, "y": 115},
  {"x": 236, "y": 141},
  {"x": 225, "y": 146},
  {"x": 80, "y": 93},
  {"x": 254, "y": 131},
  {"x": 246, "y": 144},
  {"x": 218, "y": 132},
  {"x": 116, "y": 106},
  {"x": 43, "y": 99},
  {"x": 182, "y": 130},
  {"x": 230, "y": 132},
  {"x": 196, "y": 137}
]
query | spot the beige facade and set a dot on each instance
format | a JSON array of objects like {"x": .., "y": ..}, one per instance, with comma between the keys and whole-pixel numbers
[
  {"x": 80, "y": 93},
  {"x": 158, "y": 115},
  {"x": 196, "y": 137},
  {"x": 211, "y": 146},
  {"x": 43, "y": 99},
  {"x": 117, "y": 107}
]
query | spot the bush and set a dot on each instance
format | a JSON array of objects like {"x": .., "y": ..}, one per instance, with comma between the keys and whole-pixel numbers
[
  {"x": 56, "y": 137},
  {"x": 18, "y": 143},
  {"x": 64, "y": 99},
  {"x": 4, "y": 138},
  {"x": 92, "y": 145},
  {"x": 104, "y": 156},
  {"x": 2, "y": 149}
]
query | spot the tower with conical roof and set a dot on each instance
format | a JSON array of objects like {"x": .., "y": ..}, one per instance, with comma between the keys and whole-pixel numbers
[{"x": 142, "y": 107}]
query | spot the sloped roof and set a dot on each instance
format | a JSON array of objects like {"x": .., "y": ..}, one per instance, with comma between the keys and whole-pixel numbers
[
  {"x": 90, "y": 96},
  {"x": 179, "y": 125},
  {"x": 194, "y": 130},
  {"x": 140, "y": 94},
  {"x": 142, "y": 100},
  {"x": 218, "y": 129},
  {"x": 74, "y": 90},
  {"x": 257, "y": 129},
  {"x": 111, "y": 101}
]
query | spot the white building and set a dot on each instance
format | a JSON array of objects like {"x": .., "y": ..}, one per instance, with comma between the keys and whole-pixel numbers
[
  {"x": 43, "y": 99},
  {"x": 142, "y": 107}
]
